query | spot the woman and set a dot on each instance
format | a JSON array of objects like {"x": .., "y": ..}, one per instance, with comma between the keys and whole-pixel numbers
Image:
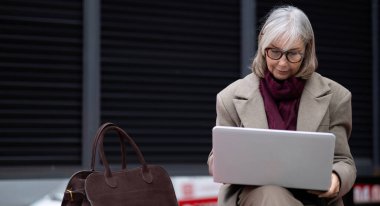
[{"x": 285, "y": 92}]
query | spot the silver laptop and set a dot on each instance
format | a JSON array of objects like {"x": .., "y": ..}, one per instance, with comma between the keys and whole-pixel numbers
[{"x": 291, "y": 159}]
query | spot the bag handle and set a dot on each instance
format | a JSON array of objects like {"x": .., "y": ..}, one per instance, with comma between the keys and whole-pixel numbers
[
  {"x": 145, "y": 172},
  {"x": 95, "y": 145}
]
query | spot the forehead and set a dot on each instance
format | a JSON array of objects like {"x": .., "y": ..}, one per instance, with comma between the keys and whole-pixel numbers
[{"x": 287, "y": 44}]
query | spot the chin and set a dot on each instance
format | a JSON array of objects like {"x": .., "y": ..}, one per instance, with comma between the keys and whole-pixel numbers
[{"x": 281, "y": 77}]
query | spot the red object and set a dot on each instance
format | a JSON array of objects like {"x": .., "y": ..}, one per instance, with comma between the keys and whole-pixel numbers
[{"x": 199, "y": 202}]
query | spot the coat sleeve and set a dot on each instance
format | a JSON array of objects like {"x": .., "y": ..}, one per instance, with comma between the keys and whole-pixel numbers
[
  {"x": 341, "y": 126},
  {"x": 223, "y": 118}
]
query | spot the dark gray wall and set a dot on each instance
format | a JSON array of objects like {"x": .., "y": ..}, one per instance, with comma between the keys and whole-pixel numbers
[{"x": 156, "y": 74}]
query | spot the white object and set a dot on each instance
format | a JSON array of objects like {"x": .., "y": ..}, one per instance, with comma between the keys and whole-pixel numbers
[{"x": 291, "y": 159}]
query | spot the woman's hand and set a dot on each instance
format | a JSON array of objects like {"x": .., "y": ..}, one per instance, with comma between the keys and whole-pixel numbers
[{"x": 333, "y": 191}]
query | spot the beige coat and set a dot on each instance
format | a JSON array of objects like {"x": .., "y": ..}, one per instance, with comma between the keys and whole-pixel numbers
[{"x": 325, "y": 106}]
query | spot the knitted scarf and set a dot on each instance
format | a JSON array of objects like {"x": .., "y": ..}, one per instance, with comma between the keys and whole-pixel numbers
[{"x": 281, "y": 100}]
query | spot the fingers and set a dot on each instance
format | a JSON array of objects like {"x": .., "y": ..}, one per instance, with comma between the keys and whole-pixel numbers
[
  {"x": 334, "y": 188},
  {"x": 320, "y": 194},
  {"x": 332, "y": 192},
  {"x": 328, "y": 194}
]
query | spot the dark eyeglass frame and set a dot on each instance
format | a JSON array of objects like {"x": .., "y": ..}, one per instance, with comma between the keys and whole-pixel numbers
[{"x": 282, "y": 54}]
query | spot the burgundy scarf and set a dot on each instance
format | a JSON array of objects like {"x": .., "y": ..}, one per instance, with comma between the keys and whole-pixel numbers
[{"x": 281, "y": 100}]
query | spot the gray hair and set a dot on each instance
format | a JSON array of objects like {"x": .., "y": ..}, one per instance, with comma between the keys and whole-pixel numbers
[{"x": 290, "y": 24}]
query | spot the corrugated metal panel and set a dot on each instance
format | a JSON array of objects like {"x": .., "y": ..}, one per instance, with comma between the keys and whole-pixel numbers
[
  {"x": 162, "y": 64},
  {"x": 344, "y": 49},
  {"x": 40, "y": 87}
]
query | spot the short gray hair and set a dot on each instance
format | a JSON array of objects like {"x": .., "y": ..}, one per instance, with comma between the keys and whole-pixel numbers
[{"x": 291, "y": 24}]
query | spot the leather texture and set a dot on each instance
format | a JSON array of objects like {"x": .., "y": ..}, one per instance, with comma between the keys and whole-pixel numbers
[{"x": 144, "y": 185}]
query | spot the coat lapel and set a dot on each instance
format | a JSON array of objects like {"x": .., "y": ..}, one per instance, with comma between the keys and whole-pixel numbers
[
  {"x": 249, "y": 104},
  {"x": 314, "y": 104},
  {"x": 251, "y": 111}
]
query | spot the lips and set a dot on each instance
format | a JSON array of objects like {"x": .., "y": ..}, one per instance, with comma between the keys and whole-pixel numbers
[{"x": 282, "y": 70}]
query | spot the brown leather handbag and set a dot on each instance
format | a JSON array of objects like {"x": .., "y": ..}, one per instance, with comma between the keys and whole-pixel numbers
[{"x": 145, "y": 185}]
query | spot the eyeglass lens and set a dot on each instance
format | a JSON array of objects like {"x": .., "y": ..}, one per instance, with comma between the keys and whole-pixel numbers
[{"x": 291, "y": 56}]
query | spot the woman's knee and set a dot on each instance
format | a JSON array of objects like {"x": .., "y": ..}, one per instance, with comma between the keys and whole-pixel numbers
[
  {"x": 273, "y": 190},
  {"x": 267, "y": 195},
  {"x": 265, "y": 191}
]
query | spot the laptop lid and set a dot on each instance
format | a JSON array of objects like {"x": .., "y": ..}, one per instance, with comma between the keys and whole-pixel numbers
[{"x": 292, "y": 159}]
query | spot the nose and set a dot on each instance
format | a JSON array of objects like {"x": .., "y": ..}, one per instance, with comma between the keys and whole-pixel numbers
[{"x": 283, "y": 60}]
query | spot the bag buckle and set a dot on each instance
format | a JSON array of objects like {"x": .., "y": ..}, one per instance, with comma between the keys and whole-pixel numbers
[{"x": 71, "y": 195}]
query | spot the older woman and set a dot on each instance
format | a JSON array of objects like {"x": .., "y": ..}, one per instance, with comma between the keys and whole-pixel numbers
[{"x": 285, "y": 92}]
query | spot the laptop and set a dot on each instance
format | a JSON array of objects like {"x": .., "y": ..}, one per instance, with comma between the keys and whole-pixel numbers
[{"x": 291, "y": 159}]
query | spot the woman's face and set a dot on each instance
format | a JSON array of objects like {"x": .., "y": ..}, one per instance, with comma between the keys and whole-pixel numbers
[{"x": 282, "y": 68}]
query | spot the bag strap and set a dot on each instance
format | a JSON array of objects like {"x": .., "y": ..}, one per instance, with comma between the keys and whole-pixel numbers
[
  {"x": 145, "y": 172},
  {"x": 95, "y": 145}
]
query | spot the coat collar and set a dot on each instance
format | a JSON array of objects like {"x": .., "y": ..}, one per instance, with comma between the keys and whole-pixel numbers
[{"x": 313, "y": 105}]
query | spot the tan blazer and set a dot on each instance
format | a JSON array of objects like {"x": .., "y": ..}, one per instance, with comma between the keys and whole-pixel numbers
[{"x": 325, "y": 106}]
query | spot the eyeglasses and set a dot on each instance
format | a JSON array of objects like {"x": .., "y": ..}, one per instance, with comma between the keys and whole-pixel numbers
[{"x": 291, "y": 56}]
